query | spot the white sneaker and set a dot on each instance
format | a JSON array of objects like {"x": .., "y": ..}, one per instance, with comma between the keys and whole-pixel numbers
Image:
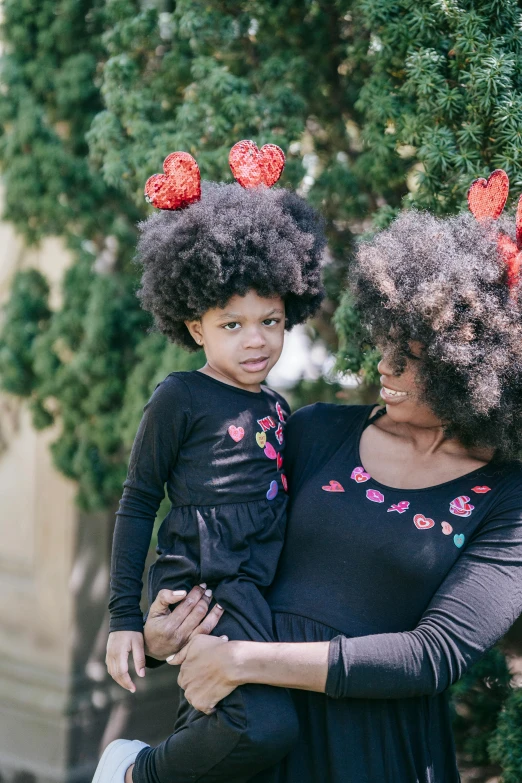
[{"x": 116, "y": 759}]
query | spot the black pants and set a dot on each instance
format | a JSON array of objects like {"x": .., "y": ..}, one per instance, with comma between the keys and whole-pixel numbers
[{"x": 252, "y": 729}]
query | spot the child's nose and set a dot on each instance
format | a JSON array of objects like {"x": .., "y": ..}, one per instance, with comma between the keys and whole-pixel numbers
[{"x": 254, "y": 338}]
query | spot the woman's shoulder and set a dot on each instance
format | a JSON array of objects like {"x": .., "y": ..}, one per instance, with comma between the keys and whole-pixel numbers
[{"x": 327, "y": 418}]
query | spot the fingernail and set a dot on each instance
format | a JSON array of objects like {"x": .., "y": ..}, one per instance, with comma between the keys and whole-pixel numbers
[
  {"x": 170, "y": 658},
  {"x": 141, "y": 673},
  {"x": 219, "y": 606},
  {"x": 179, "y": 592},
  {"x": 224, "y": 637},
  {"x": 203, "y": 585},
  {"x": 208, "y": 592}
]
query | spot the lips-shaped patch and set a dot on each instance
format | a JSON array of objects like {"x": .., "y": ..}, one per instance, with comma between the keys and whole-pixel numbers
[
  {"x": 236, "y": 433},
  {"x": 272, "y": 490},
  {"x": 178, "y": 187},
  {"x": 461, "y": 507},
  {"x": 252, "y": 167},
  {"x": 359, "y": 474},
  {"x": 374, "y": 495},
  {"x": 481, "y": 490},
  {"x": 270, "y": 452},
  {"x": 446, "y": 528},
  {"x": 487, "y": 197},
  {"x": 279, "y": 461},
  {"x": 333, "y": 486},
  {"x": 422, "y": 523}
]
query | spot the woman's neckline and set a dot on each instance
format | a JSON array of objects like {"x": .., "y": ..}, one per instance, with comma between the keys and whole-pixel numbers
[
  {"x": 229, "y": 385},
  {"x": 399, "y": 489}
]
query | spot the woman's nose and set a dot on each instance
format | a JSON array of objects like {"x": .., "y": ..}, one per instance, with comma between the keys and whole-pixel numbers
[{"x": 384, "y": 367}]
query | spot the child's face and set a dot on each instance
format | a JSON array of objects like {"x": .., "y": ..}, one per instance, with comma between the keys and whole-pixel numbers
[{"x": 243, "y": 340}]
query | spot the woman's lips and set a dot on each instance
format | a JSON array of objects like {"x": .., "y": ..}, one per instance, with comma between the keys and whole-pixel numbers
[
  {"x": 391, "y": 395},
  {"x": 255, "y": 365}
]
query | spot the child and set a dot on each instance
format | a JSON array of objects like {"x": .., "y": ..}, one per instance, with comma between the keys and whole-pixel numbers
[{"x": 228, "y": 271}]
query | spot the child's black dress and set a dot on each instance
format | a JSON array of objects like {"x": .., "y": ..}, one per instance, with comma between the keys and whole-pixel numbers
[{"x": 219, "y": 450}]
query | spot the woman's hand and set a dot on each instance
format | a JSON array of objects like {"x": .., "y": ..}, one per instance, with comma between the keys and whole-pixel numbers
[{"x": 206, "y": 673}]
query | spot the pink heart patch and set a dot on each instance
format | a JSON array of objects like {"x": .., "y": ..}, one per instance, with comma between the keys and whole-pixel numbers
[
  {"x": 446, "y": 528},
  {"x": 236, "y": 433},
  {"x": 422, "y": 523},
  {"x": 359, "y": 474},
  {"x": 461, "y": 507},
  {"x": 270, "y": 452},
  {"x": 333, "y": 486}
]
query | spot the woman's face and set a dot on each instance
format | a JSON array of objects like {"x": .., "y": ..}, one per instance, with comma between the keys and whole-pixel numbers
[{"x": 401, "y": 393}]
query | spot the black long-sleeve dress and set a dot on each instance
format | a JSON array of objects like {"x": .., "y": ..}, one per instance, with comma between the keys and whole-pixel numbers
[{"x": 411, "y": 586}]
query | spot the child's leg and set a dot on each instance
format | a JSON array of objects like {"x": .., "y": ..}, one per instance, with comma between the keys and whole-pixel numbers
[{"x": 252, "y": 729}]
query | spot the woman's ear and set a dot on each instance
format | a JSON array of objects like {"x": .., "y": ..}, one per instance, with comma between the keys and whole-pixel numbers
[{"x": 195, "y": 330}]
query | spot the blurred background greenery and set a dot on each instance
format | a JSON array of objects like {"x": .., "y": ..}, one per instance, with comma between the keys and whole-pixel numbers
[{"x": 378, "y": 104}]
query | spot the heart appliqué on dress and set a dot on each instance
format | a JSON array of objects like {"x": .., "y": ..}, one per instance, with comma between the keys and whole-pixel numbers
[
  {"x": 487, "y": 197},
  {"x": 261, "y": 439},
  {"x": 272, "y": 491},
  {"x": 279, "y": 461},
  {"x": 284, "y": 482},
  {"x": 178, "y": 187},
  {"x": 446, "y": 528},
  {"x": 461, "y": 507},
  {"x": 360, "y": 475},
  {"x": 458, "y": 539},
  {"x": 236, "y": 433},
  {"x": 422, "y": 523},
  {"x": 270, "y": 452},
  {"x": 252, "y": 166},
  {"x": 333, "y": 486}
]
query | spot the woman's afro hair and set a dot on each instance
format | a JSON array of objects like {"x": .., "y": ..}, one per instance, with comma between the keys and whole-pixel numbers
[
  {"x": 441, "y": 281},
  {"x": 232, "y": 241}
]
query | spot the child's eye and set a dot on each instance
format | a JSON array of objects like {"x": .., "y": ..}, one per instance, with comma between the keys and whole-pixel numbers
[
  {"x": 231, "y": 327},
  {"x": 270, "y": 321}
]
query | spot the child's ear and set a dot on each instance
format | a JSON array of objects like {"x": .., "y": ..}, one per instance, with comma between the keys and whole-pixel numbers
[{"x": 195, "y": 330}]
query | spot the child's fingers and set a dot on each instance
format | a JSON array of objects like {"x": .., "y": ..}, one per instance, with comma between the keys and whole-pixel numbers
[
  {"x": 138, "y": 656},
  {"x": 118, "y": 667},
  {"x": 209, "y": 622}
]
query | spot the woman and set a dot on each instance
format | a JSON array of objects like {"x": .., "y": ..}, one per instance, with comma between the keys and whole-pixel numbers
[{"x": 403, "y": 557}]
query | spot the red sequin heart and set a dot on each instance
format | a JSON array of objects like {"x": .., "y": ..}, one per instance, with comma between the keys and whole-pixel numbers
[
  {"x": 487, "y": 197},
  {"x": 179, "y": 186},
  {"x": 252, "y": 166},
  {"x": 333, "y": 486},
  {"x": 236, "y": 433}
]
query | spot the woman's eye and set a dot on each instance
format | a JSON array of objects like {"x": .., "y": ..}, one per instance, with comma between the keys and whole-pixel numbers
[
  {"x": 231, "y": 327},
  {"x": 270, "y": 321}
]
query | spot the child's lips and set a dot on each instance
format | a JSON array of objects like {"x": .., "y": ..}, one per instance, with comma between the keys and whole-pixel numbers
[{"x": 255, "y": 365}]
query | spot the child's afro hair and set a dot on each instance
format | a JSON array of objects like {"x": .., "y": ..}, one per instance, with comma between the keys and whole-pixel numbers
[
  {"x": 441, "y": 281},
  {"x": 232, "y": 241}
]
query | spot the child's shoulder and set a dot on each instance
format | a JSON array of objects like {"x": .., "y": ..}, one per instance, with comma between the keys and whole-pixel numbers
[
  {"x": 275, "y": 397},
  {"x": 175, "y": 388}
]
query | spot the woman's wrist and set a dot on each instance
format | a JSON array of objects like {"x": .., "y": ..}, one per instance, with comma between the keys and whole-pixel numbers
[{"x": 287, "y": 665}]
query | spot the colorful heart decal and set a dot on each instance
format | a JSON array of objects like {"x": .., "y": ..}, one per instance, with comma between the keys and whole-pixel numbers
[
  {"x": 279, "y": 461},
  {"x": 270, "y": 452},
  {"x": 272, "y": 490},
  {"x": 458, "y": 539},
  {"x": 422, "y": 523},
  {"x": 481, "y": 490},
  {"x": 487, "y": 197},
  {"x": 401, "y": 506},
  {"x": 252, "y": 167},
  {"x": 333, "y": 486},
  {"x": 374, "y": 495},
  {"x": 461, "y": 507},
  {"x": 236, "y": 433},
  {"x": 284, "y": 482},
  {"x": 359, "y": 474},
  {"x": 446, "y": 528},
  {"x": 261, "y": 439},
  {"x": 178, "y": 187}
]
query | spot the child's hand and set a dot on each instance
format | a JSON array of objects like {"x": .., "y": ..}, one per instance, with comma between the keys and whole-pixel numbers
[{"x": 119, "y": 646}]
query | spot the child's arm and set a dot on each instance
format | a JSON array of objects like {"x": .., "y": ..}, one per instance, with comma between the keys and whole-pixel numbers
[{"x": 153, "y": 455}]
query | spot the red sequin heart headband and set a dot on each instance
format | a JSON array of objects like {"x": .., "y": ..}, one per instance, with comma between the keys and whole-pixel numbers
[
  {"x": 486, "y": 200},
  {"x": 180, "y": 184}
]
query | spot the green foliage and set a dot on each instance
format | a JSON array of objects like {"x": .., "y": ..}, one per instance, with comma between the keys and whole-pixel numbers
[{"x": 505, "y": 746}]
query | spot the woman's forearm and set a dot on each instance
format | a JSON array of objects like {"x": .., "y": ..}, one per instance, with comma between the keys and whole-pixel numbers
[{"x": 296, "y": 665}]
